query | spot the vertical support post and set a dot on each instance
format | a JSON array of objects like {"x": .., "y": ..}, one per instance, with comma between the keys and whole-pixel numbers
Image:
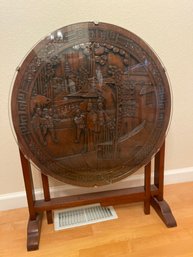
[
  {"x": 147, "y": 185},
  {"x": 159, "y": 171},
  {"x": 29, "y": 187},
  {"x": 35, "y": 219},
  {"x": 46, "y": 190}
]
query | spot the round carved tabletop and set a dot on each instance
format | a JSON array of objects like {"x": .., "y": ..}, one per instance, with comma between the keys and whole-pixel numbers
[{"x": 90, "y": 104}]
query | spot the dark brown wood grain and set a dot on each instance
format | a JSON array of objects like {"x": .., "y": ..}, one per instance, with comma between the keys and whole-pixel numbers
[
  {"x": 29, "y": 186},
  {"x": 147, "y": 189},
  {"x": 90, "y": 104},
  {"x": 46, "y": 190}
]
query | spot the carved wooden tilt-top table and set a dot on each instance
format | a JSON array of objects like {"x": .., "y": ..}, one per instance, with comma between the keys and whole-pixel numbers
[{"x": 91, "y": 105}]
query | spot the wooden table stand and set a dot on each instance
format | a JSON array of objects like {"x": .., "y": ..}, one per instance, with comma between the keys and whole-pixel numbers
[{"x": 150, "y": 194}]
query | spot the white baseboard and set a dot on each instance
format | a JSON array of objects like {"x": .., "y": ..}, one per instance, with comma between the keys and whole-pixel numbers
[{"x": 18, "y": 199}]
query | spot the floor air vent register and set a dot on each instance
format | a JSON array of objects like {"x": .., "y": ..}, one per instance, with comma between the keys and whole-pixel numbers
[{"x": 79, "y": 216}]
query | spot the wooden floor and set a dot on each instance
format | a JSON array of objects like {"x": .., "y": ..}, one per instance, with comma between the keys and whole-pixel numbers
[{"x": 133, "y": 234}]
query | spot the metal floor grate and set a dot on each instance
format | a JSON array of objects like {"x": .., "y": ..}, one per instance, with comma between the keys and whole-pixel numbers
[{"x": 84, "y": 215}]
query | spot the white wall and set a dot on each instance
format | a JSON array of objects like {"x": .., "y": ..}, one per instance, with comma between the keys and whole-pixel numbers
[{"x": 167, "y": 26}]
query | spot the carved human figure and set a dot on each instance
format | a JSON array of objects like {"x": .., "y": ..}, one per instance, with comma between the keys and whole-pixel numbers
[
  {"x": 91, "y": 126},
  {"x": 80, "y": 123},
  {"x": 37, "y": 123},
  {"x": 101, "y": 125},
  {"x": 48, "y": 126}
]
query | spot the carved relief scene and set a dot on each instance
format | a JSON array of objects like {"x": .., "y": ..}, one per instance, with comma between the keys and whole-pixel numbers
[
  {"x": 92, "y": 100},
  {"x": 91, "y": 104}
]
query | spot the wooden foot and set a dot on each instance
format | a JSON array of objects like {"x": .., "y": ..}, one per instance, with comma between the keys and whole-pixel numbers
[
  {"x": 164, "y": 211},
  {"x": 33, "y": 233}
]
